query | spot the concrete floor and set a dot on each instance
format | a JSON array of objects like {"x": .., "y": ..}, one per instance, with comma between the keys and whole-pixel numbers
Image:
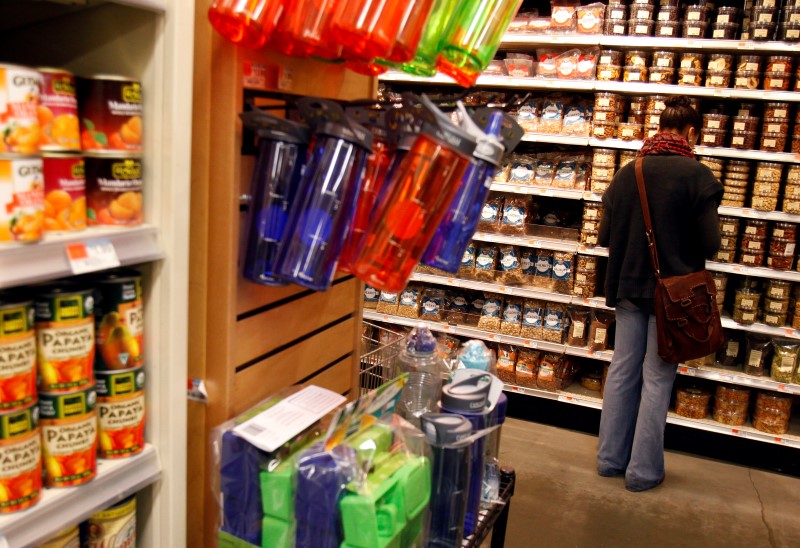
[{"x": 561, "y": 501}]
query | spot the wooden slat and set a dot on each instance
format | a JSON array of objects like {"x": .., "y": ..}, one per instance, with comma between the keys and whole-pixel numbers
[
  {"x": 251, "y": 296},
  {"x": 260, "y": 334},
  {"x": 337, "y": 378},
  {"x": 292, "y": 365}
]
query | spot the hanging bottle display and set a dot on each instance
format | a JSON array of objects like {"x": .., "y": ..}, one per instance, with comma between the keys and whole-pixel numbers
[
  {"x": 473, "y": 38},
  {"x": 326, "y": 195},
  {"x": 367, "y": 28},
  {"x": 281, "y": 155},
  {"x": 415, "y": 202},
  {"x": 302, "y": 29},
  {"x": 424, "y": 62},
  {"x": 411, "y": 28},
  {"x": 455, "y": 232},
  {"x": 245, "y": 22}
]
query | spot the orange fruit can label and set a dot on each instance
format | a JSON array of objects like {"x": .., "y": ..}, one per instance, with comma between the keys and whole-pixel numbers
[
  {"x": 64, "y": 192},
  {"x": 121, "y": 425},
  {"x": 58, "y": 111},
  {"x": 69, "y": 437},
  {"x": 65, "y": 340},
  {"x": 119, "y": 315},
  {"x": 21, "y": 199},
  {"x": 114, "y": 190},
  {"x": 19, "y": 99},
  {"x": 20, "y": 460},
  {"x": 17, "y": 356},
  {"x": 110, "y": 113}
]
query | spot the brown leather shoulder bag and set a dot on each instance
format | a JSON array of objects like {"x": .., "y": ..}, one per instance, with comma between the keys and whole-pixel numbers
[{"x": 687, "y": 317}]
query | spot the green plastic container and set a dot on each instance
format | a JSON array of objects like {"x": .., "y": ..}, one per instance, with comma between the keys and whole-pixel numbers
[{"x": 424, "y": 63}]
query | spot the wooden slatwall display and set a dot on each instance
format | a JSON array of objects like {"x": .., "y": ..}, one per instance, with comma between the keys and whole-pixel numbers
[{"x": 248, "y": 341}]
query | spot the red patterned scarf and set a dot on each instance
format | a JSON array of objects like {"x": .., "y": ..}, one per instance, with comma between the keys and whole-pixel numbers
[{"x": 666, "y": 143}]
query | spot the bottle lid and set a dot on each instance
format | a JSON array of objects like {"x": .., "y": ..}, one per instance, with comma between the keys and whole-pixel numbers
[
  {"x": 469, "y": 395},
  {"x": 488, "y": 148},
  {"x": 444, "y": 428},
  {"x": 329, "y": 118},
  {"x": 439, "y": 126},
  {"x": 421, "y": 340},
  {"x": 271, "y": 127},
  {"x": 475, "y": 355}
]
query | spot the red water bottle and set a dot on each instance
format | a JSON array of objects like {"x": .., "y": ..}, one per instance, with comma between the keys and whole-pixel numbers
[
  {"x": 302, "y": 28},
  {"x": 415, "y": 202},
  {"x": 245, "y": 22},
  {"x": 367, "y": 29},
  {"x": 414, "y": 19}
]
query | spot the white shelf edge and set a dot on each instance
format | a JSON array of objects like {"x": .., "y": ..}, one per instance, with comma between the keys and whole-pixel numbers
[
  {"x": 758, "y": 271},
  {"x": 577, "y": 395},
  {"x": 47, "y": 260},
  {"x": 756, "y": 214},
  {"x": 763, "y": 329},
  {"x": 734, "y": 377},
  {"x": 62, "y": 508},
  {"x": 152, "y": 5},
  {"x": 528, "y": 241},
  {"x": 556, "y": 139},
  {"x": 615, "y": 143},
  {"x": 515, "y": 291}
]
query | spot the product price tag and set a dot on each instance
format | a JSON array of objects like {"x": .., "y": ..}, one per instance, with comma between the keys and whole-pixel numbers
[
  {"x": 92, "y": 256},
  {"x": 530, "y": 344},
  {"x": 746, "y": 45},
  {"x": 737, "y": 432},
  {"x": 690, "y": 371},
  {"x": 568, "y": 399},
  {"x": 782, "y": 387},
  {"x": 780, "y": 441}
]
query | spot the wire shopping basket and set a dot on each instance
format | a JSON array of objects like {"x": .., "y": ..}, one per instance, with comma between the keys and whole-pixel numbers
[{"x": 379, "y": 347}]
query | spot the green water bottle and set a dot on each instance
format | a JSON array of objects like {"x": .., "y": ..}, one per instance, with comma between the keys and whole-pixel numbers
[
  {"x": 473, "y": 37},
  {"x": 424, "y": 62}
]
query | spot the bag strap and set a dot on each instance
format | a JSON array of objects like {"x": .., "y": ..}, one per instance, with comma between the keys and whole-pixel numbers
[{"x": 648, "y": 224}]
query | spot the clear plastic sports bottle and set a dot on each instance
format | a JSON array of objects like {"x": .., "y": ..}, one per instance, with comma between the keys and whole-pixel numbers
[{"x": 425, "y": 368}]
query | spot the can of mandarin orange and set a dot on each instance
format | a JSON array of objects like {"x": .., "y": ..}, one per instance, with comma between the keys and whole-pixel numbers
[{"x": 110, "y": 113}]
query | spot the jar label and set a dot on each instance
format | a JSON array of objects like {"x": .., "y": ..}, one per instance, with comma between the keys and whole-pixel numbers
[
  {"x": 776, "y": 83},
  {"x": 693, "y": 31},
  {"x": 739, "y": 126},
  {"x": 732, "y": 350},
  {"x": 781, "y": 113},
  {"x": 737, "y": 141},
  {"x": 667, "y": 31},
  {"x": 600, "y": 335},
  {"x": 578, "y": 329}
]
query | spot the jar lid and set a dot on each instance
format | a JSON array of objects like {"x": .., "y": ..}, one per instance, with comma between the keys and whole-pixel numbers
[
  {"x": 778, "y": 104},
  {"x": 755, "y": 222},
  {"x": 772, "y": 58},
  {"x": 739, "y": 163},
  {"x": 770, "y": 165},
  {"x": 782, "y": 225}
]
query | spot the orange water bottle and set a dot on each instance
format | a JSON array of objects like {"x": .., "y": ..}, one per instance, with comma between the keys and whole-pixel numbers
[
  {"x": 303, "y": 27},
  {"x": 414, "y": 19},
  {"x": 367, "y": 29},
  {"x": 245, "y": 22},
  {"x": 415, "y": 202}
]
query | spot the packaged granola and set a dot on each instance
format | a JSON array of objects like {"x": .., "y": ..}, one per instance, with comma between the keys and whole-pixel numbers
[
  {"x": 555, "y": 372},
  {"x": 731, "y": 353},
  {"x": 528, "y": 116},
  {"x": 490, "y": 314},
  {"x": 545, "y": 172},
  {"x": 527, "y": 260},
  {"x": 598, "y": 332},
  {"x": 532, "y": 319},
  {"x": 578, "y": 332},
  {"x": 522, "y": 170},
  {"x": 551, "y": 119},
  {"x": 467, "y": 268},
  {"x": 544, "y": 269},
  {"x": 509, "y": 266},
  {"x": 371, "y": 297},
  {"x": 458, "y": 307},
  {"x": 784, "y": 360},
  {"x": 387, "y": 304},
  {"x": 515, "y": 215},
  {"x": 756, "y": 358},
  {"x": 491, "y": 214},
  {"x": 475, "y": 308},
  {"x": 433, "y": 305},
  {"x": 408, "y": 305},
  {"x": 511, "y": 322},
  {"x": 527, "y": 367},
  {"x": 555, "y": 317},
  {"x": 562, "y": 271},
  {"x": 506, "y": 363},
  {"x": 486, "y": 257}
]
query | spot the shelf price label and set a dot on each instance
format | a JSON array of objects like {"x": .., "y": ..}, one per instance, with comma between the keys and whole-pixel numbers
[
  {"x": 92, "y": 256},
  {"x": 687, "y": 371},
  {"x": 529, "y": 343},
  {"x": 737, "y": 432},
  {"x": 568, "y": 399}
]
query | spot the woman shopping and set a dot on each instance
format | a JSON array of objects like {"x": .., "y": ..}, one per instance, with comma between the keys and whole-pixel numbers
[{"x": 683, "y": 197}]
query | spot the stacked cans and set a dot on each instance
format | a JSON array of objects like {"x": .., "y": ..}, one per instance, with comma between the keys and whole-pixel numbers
[{"x": 70, "y": 336}]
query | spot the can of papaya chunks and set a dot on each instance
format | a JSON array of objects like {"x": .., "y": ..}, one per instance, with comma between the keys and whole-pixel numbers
[
  {"x": 17, "y": 353},
  {"x": 121, "y": 412},
  {"x": 65, "y": 337},
  {"x": 119, "y": 320},
  {"x": 69, "y": 437},
  {"x": 20, "y": 459}
]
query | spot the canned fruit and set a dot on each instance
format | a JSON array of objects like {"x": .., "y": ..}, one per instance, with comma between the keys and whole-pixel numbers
[
  {"x": 120, "y": 322},
  {"x": 21, "y": 199},
  {"x": 17, "y": 355},
  {"x": 19, "y": 98},
  {"x": 65, "y": 339},
  {"x": 111, "y": 113},
  {"x": 115, "y": 526},
  {"x": 58, "y": 111},
  {"x": 114, "y": 190},
  {"x": 65, "y": 193},
  {"x": 65, "y": 539},
  {"x": 69, "y": 437},
  {"x": 20, "y": 459},
  {"x": 121, "y": 425}
]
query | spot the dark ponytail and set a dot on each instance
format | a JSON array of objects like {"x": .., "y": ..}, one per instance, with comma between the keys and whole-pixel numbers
[{"x": 679, "y": 114}]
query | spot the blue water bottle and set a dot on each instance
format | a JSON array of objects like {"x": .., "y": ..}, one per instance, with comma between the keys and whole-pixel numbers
[
  {"x": 450, "y": 473},
  {"x": 326, "y": 197},
  {"x": 468, "y": 396},
  {"x": 500, "y": 137},
  {"x": 281, "y": 155}
]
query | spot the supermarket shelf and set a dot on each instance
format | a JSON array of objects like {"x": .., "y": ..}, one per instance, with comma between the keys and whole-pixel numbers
[
  {"x": 465, "y": 331},
  {"x": 756, "y": 214},
  {"x": 555, "y": 139},
  {"x": 493, "y": 81},
  {"x": 529, "y": 241},
  {"x": 762, "y": 328},
  {"x": 758, "y": 271},
  {"x": 602, "y": 355},
  {"x": 47, "y": 260},
  {"x": 597, "y": 251},
  {"x": 61, "y": 508},
  {"x": 515, "y": 291},
  {"x": 532, "y": 190},
  {"x": 675, "y": 44},
  {"x": 723, "y": 152},
  {"x": 739, "y": 378},
  {"x": 615, "y": 143},
  {"x": 578, "y": 395}
]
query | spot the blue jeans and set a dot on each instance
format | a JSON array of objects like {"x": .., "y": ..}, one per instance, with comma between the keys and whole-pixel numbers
[{"x": 635, "y": 402}]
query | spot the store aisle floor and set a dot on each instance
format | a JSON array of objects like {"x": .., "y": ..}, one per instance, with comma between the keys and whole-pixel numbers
[{"x": 561, "y": 501}]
